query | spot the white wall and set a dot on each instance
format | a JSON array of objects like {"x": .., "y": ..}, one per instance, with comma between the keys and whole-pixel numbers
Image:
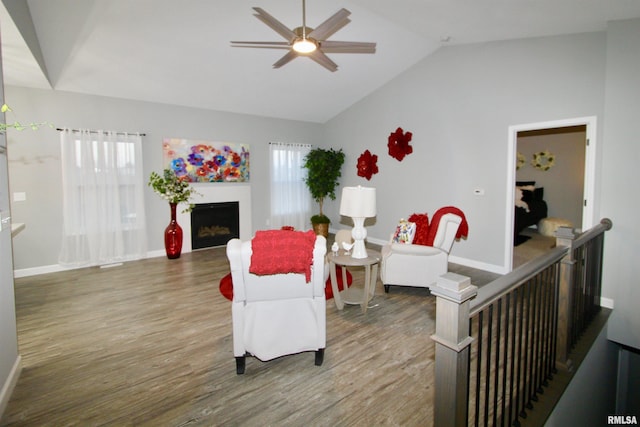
[
  {"x": 35, "y": 157},
  {"x": 459, "y": 104},
  {"x": 620, "y": 165},
  {"x": 9, "y": 358}
]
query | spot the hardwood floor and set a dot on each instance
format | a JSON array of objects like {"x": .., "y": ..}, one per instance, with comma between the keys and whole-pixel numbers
[
  {"x": 534, "y": 247},
  {"x": 149, "y": 343}
]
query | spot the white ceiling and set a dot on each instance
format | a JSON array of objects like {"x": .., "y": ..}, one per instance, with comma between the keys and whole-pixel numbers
[{"x": 178, "y": 52}]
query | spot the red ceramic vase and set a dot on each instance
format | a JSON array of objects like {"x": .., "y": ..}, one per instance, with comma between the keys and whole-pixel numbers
[{"x": 173, "y": 235}]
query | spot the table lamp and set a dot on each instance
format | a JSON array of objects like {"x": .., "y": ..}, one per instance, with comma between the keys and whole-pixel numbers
[{"x": 358, "y": 203}]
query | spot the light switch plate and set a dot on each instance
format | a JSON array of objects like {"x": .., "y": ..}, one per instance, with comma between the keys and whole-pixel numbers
[{"x": 5, "y": 220}]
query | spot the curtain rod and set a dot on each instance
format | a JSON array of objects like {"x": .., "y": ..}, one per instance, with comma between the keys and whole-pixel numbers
[
  {"x": 97, "y": 131},
  {"x": 290, "y": 143}
]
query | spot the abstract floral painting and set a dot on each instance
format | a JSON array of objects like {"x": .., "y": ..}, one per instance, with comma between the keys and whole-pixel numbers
[{"x": 206, "y": 161}]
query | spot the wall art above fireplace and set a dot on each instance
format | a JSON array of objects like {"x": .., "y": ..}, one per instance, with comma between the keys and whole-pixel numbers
[{"x": 206, "y": 161}]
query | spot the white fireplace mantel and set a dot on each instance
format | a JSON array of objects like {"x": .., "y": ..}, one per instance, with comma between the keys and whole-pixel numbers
[{"x": 218, "y": 193}]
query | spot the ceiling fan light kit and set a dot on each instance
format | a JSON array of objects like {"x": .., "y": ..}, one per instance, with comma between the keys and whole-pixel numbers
[
  {"x": 306, "y": 41},
  {"x": 302, "y": 43}
]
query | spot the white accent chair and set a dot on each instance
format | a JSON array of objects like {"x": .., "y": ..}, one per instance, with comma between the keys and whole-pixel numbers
[
  {"x": 418, "y": 265},
  {"x": 279, "y": 314}
]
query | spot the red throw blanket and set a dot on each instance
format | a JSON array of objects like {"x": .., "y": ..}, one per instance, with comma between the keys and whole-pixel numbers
[
  {"x": 463, "y": 230},
  {"x": 282, "y": 251}
]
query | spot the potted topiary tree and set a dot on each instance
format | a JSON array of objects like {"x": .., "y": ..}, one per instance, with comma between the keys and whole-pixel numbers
[{"x": 323, "y": 171}]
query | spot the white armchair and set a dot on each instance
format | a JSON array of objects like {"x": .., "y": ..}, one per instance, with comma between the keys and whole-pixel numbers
[
  {"x": 418, "y": 265},
  {"x": 278, "y": 314}
]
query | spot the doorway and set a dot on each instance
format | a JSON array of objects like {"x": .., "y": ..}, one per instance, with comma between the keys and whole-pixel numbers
[{"x": 576, "y": 201}]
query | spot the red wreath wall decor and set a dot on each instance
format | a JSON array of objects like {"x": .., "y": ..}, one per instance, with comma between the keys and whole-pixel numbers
[
  {"x": 399, "y": 144},
  {"x": 367, "y": 165}
]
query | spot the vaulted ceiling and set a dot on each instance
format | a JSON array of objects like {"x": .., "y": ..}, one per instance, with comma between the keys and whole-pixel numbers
[{"x": 179, "y": 52}]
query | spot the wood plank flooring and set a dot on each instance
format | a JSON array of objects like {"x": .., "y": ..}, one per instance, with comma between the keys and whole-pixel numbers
[{"x": 149, "y": 343}]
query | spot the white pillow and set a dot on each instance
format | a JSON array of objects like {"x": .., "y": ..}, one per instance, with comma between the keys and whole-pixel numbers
[
  {"x": 519, "y": 202},
  {"x": 405, "y": 232}
]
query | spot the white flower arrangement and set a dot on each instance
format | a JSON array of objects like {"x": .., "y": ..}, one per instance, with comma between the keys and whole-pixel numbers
[{"x": 172, "y": 188}]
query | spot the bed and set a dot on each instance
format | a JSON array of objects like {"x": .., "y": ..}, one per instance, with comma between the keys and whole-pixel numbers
[{"x": 530, "y": 208}]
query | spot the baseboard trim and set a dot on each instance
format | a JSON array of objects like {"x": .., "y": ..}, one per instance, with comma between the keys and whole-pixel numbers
[
  {"x": 498, "y": 269},
  {"x": 10, "y": 384},
  {"x": 56, "y": 268},
  {"x": 35, "y": 271},
  {"x": 606, "y": 303}
]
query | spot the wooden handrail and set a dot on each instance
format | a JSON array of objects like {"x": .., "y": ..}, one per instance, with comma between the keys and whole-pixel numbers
[
  {"x": 490, "y": 292},
  {"x": 504, "y": 284},
  {"x": 555, "y": 305}
]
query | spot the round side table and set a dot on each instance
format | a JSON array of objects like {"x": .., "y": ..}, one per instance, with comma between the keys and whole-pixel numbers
[{"x": 355, "y": 295}]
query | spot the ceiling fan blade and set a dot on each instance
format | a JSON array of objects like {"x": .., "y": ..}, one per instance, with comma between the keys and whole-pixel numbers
[
  {"x": 290, "y": 56},
  {"x": 262, "y": 45},
  {"x": 331, "y": 25},
  {"x": 276, "y": 25},
  {"x": 324, "y": 60},
  {"x": 329, "y": 46}
]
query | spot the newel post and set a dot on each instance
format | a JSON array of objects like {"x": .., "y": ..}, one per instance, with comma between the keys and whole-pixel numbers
[
  {"x": 452, "y": 339},
  {"x": 565, "y": 237}
]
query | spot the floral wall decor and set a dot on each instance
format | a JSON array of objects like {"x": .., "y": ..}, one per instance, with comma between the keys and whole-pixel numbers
[
  {"x": 399, "y": 144},
  {"x": 205, "y": 161},
  {"x": 521, "y": 160},
  {"x": 367, "y": 165},
  {"x": 543, "y": 160}
]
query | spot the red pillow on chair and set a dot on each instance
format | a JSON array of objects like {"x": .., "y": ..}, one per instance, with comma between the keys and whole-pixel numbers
[{"x": 422, "y": 228}]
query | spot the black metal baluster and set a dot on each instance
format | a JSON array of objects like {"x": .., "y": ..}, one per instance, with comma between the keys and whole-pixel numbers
[
  {"x": 520, "y": 398},
  {"x": 496, "y": 369},
  {"x": 505, "y": 358},
  {"x": 526, "y": 403},
  {"x": 479, "y": 366},
  {"x": 541, "y": 331},
  {"x": 533, "y": 383},
  {"x": 554, "y": 319},
  {"x": 513, "y": 383},
  {"x": 469, "y": 366},
  {"x": 487, "y": 382},
  {"x": 546, "y": 302}
]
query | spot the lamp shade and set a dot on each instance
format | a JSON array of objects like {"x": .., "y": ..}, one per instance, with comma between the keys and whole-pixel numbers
[{"x": 358, "y": 202}]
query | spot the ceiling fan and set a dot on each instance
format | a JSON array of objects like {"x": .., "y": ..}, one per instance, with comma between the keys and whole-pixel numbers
[{"x": 309, "y": 42}]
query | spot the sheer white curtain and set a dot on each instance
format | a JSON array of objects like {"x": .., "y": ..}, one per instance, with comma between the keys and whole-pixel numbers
[
  {"x": 290, "y": 197},
  {"x": 103, "y": 201}
]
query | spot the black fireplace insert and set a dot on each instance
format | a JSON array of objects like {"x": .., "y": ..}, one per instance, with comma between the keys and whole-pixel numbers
[{"x": 214, "y": 224}]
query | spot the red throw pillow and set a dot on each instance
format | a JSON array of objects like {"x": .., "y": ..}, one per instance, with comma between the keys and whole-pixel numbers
[{"x": 422, "y": 228}]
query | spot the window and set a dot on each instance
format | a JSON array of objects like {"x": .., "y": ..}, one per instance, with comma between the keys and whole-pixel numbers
[
  {"x": 290, "y": 197},
  {"x": 103, "y": 201}
]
